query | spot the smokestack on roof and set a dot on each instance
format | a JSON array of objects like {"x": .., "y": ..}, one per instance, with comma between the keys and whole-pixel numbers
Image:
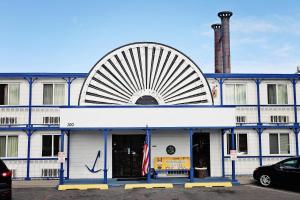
[
  {"x": 218, "y": 48},
  {"x": 225, "y": 16}
]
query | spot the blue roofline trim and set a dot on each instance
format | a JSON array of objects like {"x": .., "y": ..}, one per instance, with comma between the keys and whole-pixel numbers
[
  {"x": 43, "y": 75},
  {"x": 255, "y": 76},
  {"x": 207, "y": 75}
]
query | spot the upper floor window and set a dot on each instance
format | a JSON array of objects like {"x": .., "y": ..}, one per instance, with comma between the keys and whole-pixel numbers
[
  {"x": 54, "y": 94},
  {"x": 277, "y": 94},
  {"x": 50, "y": 145},
  {"x": 9, "y": 94},
  {"x": 8, "y": 146},
  {"x": 235, "y": 94}
]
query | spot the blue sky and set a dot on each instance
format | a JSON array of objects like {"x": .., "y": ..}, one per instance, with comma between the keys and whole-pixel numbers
[{"x": 70, "y": 36}]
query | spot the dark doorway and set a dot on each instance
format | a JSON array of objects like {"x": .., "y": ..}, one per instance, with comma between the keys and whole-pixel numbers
[
  {"x": 127, "y": 156},
  {"x": 201, "y": 154}
]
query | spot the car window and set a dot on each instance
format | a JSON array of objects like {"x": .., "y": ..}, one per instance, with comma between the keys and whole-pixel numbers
[
  {"x": 2, "y": 166},
  {"x": 290, "y": 163}
]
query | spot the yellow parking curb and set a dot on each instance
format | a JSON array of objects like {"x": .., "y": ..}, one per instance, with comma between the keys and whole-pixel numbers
[
  {"x": 206, "y": 184},
  {"x": 83, "y": 187},
  {"x": 148, "y": 186}
]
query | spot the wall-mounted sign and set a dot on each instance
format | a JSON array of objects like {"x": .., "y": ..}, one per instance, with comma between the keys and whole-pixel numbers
[
  {"x": 170, "y": 149},
  {"x": 233, "y": 155},
  {"x": 176, "y": 163},
  {"x": 61, "y": 157}
]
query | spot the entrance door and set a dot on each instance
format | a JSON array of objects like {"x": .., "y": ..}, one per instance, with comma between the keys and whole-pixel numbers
[
  {"x": 201, "y": 154},
  {"x": 127, "y": 155}
]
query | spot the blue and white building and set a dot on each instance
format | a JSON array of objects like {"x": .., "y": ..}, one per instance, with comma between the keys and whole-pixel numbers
[{"x": 146, "y": 92}]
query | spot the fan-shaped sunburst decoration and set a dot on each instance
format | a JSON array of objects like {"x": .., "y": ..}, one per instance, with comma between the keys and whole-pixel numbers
[{"x": 145, "y": 73}]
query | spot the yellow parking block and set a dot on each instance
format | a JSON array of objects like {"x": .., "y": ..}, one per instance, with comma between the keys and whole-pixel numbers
[
  {"x": 148, "y": 185},
  {"x": 83, "y": 187},
  {"x": 208, "y": 184}
]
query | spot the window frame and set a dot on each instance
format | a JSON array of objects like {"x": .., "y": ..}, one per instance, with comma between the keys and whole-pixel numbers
[
  {"x": 279, "y": 143},
  {"x": 277, "y": 95},
  {"x": 52, "y": 145},
  {"x": 237, "y": 144},
  {"x": 8, "y": 93},
  {"x": 235, "y": 89},
  {"x": 53, "y": 92},
  {"x": 6, "y": 146}
]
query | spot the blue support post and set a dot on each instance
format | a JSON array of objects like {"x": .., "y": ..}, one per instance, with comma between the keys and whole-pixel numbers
[
  {"x": 259, "y": 124},
  {"x": 259, "y": 132},
  {"x": 105, "y": 155},
  {"x": 233, "y": 147},
  {"x": 68, "y": 154},
  {"x": 191, "y": 133},
  {"x": 29, "y": 132},
  {"x": 223, "y": 159},
  {"x": 61, "y": 171},
  {"x": 294, "y": 82},
  {"x": 296, "y": 124},
  {"x": 148, "y": 135},
  {"x": 28, "y": 154},
  {"x": 69, "y": 90}
]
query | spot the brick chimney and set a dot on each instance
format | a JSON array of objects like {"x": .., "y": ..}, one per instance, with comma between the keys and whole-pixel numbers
[
  {"x": 218, "y": 47},
  {"x": 225, "y": 16}
]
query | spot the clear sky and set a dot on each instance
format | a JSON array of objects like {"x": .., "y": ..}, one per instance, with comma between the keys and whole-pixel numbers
[{"x": 71, "y": 36}]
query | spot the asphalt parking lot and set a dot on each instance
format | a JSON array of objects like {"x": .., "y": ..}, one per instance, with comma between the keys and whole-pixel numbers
[{"x": 243, "y": 192}]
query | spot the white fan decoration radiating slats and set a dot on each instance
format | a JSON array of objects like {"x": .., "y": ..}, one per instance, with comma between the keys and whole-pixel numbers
[{"x": 145, "y": 70}]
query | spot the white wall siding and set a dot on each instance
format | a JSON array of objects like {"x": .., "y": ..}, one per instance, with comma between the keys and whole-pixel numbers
[
  {"x": 215, "y": 153},
  {"x": 75, "y": 90},
  {"x": 84, "y": 148}
]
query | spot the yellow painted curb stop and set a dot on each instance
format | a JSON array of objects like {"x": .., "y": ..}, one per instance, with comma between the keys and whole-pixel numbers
[
  {"x": 83, "y": 187},
  {"x": 148, "y": 186},
  {"x": 208, "y": 184}
]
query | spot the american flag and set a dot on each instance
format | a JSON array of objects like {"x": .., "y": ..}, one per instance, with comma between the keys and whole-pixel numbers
[{"x": 145, "y": 163}]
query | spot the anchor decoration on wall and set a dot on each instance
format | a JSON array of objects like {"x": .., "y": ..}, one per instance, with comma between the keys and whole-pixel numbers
[{"x": 92, "y": 170}]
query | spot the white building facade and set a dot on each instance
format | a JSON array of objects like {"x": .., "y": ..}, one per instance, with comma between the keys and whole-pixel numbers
[{"x": 153, "y": 93}]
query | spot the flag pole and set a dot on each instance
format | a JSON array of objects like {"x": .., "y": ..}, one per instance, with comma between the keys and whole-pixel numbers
[{"x": 148, "y": 136}]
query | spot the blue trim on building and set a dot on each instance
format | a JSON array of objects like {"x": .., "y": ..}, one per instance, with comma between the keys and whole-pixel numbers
[
  {"x": 206, "y": 75},
  {"x": 105, "y": 155},
  {"x": 61, "y": 171},
  {"x": 222, "y": 150},
  {"x": 69, "y": 77},
  {"x": 233, "y": 147},
  {"x": 191, "y": 133}
]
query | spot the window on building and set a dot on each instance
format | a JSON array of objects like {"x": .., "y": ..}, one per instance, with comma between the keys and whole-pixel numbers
[
  {"x": 50, "y": 145},
  {"x": 9, "y": 94},
  {"x": 235, "y": 94},
  {"x": 240, "y": 119},
  {"x": 8, "y": 146},
  {"x": 54, "y": 94},
  {"x": 277, "y": 94},
  {"x": 279, "y": 143},
  {"x": 241, "y": 141}
]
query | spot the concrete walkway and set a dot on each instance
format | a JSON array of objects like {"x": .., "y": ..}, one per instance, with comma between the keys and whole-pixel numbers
[
  {"x": 244, "y": 180},
  {"x": 34, "y": 183}
]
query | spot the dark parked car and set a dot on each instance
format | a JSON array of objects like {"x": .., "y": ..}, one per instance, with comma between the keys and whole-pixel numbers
[
  {"x": 5, "y": 181},
  {"x": 285, "y": 172}
]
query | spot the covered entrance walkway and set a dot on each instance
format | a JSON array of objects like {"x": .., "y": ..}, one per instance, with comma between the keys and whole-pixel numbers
[{"x": 150, "y": 122}]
